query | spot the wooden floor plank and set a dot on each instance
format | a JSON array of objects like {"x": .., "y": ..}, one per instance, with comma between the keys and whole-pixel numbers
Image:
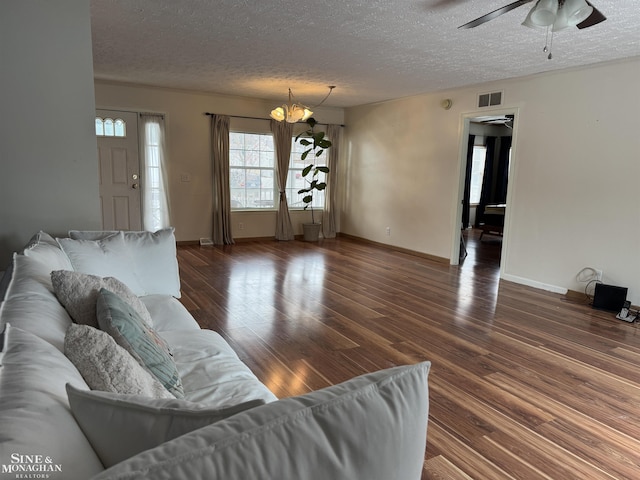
[{"x": 525, "y": 384}]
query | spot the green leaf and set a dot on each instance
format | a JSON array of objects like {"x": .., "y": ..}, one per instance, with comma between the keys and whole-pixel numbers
[
  {"x": 303, "y": 190},
  {"x": 307, "y": 199},
  {"x": 304, "y": 155},
  {"x": 321, "y": 186},
  {"x": 305, "y": 142},
  {"x": 306, "y": 170},
  {"x": 323, "y": 169},
  {"x": 319, "y": 152}
]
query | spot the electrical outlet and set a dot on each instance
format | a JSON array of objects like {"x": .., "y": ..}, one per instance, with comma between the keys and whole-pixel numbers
[
  {"x": 240, "y": 226},
  {"x": 598, "y": 275},
  {"x": 388, "y": 231}
]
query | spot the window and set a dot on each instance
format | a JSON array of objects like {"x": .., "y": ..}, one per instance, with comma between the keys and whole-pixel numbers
[
  {"x": 295, "y": 181},
  {"x": 252, "y": 173},
  {"x": 251, "y": 163},
  {"x": 155, "y": 204},
  {"x": 477, "y": 173},
  {"x": 108, "y": 127}
]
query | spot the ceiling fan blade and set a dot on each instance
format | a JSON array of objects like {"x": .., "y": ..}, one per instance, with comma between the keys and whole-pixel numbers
[
  {"x": 595, "y": 18},
  {"x": 495, "y": 14}
]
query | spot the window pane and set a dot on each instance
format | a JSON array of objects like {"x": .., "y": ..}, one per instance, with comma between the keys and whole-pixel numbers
[
  {"x": 236, "y": 158},
  {"x": 477, "y": 173},
  {"x": 267, "y": 158},
  {"x": 237, "y": 178},
  {"x": 120, "y": 128},
  {"x": 236, "y": 140},
  {"x": 108, "y": 127},
  {"x": 99, "y": 127},
  {"x": 252, "y": 141},
  {"x": 252, "y": 158}
]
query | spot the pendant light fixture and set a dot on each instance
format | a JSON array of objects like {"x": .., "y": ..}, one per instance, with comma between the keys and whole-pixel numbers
[{"x": 294, "y": 111}]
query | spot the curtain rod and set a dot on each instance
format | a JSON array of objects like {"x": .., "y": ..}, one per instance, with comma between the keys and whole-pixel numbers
[
  {"x": 141, "y": 114},
  {"x": 253, "y": 118}
]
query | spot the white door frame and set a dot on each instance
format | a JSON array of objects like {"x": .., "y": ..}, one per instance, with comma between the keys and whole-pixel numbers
[{"x": 465, "y": 121}]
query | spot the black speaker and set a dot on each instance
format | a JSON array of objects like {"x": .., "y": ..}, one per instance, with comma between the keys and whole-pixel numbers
[{"x": 609, "y": 297}]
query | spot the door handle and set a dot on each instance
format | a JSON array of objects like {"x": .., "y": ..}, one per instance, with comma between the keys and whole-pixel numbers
[{"x": 134, "y": 186}]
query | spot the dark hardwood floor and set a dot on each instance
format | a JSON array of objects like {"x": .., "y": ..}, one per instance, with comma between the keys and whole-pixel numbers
[{"x": 524, "y": 384}]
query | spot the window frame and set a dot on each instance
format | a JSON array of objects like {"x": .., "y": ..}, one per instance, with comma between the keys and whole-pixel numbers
[
  {"x": 292, "y": 191},
  {"x": 294, "y": 201},
  {"x": 272, "y": 169}
]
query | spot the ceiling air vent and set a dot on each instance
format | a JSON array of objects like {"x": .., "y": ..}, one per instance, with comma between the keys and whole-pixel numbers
[{"x": 489, "y": 99}]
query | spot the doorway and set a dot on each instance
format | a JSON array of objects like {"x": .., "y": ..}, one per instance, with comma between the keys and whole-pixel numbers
[
  {"x": 487, "y": 147},
  {"x": 119, "y": 168}
]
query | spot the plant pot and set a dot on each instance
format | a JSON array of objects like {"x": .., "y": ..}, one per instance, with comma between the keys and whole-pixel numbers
[{"x": 311, "y": 231}]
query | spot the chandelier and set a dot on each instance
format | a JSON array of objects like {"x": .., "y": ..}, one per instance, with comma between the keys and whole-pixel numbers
[{"x": 294, "y": 111}]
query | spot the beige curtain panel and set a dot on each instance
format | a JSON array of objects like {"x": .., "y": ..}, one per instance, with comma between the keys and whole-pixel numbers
[
  {"x": 282, "y": 135},
  {"x": 221, "y": 234},
  {"x": 334, "y": 133}
]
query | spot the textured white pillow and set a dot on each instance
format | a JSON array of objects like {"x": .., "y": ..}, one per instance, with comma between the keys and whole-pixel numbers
[
  {"x": 107, "y": 366},
  {"x": 372, "y": 427},
  {"x": 78, "y": 293},
  {"x": 107, "y": 257},
  {"x": 120, "y": 426},
  {"x": 153, "y": 264}
]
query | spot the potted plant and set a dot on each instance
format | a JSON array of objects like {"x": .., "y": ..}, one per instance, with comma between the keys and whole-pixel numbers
[{"x": 315, "y": 144}]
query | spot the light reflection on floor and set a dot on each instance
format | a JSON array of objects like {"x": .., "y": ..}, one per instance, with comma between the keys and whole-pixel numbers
[{"x": 482, "y": 261}]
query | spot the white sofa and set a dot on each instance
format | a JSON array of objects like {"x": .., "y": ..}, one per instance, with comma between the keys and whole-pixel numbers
[{"x": 228, "y": 425}]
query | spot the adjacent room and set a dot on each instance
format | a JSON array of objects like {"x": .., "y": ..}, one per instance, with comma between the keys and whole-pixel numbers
[{"x": 295, "y": 204}]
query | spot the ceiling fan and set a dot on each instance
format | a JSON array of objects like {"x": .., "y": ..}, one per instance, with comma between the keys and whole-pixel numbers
[
  {"x": 579, "y": 13},
  {"x": 552, "y": 15},
  {"x": 501, "y": 120}
]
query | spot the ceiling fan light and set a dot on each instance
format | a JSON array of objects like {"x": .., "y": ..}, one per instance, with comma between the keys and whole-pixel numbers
[
  {"x": 529, "y": 24},
  {"x": 577, "y": 11},
  {"x": 561, "y": 21},
  {"x": 544, "y": 13}
]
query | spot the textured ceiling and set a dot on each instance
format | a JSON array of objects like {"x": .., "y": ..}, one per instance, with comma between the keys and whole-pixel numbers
[{"x": 371, "y": 50}]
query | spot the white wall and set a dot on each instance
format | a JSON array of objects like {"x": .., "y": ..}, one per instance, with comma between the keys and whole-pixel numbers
[
  {"x": 48, "y": 156},
  {"x": 188, "y": 142},
  {"x": 574, "y": 196}
]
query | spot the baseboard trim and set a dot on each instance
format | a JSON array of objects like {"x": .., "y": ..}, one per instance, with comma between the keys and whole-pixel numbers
[
  {"x": 532, "y": 283},
  {"x": 396, "y": 248},
  {"x": 182, "y": 243},
  {"x": 236, "y": 240}
]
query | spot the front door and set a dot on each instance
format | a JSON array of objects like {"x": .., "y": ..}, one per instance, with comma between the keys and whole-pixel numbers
[{"x": 119, "y": 167}]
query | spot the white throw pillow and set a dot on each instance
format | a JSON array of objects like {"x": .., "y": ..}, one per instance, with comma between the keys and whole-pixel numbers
[
  {"x": 120, "y": 426},
  {"x": 44, "y": 248},
  {"x": 372, "y": 427},
  {"x": 155, "y": 264},
  {"x": 107, "y": 366},
  {"x": 90, "y": 234},
  {"x": 78, "y": 293},
  {"x": 108, "y": 257}
]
